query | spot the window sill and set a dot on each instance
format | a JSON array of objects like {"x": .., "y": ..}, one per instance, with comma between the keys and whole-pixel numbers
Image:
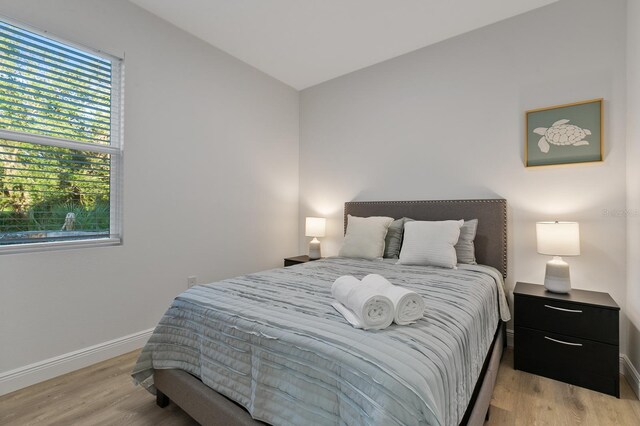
[{"x": 59, "y": 245}]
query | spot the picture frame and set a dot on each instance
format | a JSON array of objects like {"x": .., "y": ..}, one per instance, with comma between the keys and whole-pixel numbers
[{"x": 564, "y": 134}]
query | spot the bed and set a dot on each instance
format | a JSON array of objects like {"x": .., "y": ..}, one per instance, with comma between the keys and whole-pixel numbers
[{"x": 270, "y": 343}]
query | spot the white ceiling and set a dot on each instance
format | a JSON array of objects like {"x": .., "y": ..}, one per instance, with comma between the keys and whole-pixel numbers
[{"x": 306, "y": 42}]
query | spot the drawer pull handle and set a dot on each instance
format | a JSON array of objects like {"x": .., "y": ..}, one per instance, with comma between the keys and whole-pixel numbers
[
  {"x": 564, "y": 343},
  {"x": 563, "y": 309}
]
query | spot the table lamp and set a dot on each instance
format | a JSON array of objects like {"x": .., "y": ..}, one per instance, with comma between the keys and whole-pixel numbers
[
  {"x": 558, "y": 239},
  {"x": 315, "y": 227}
]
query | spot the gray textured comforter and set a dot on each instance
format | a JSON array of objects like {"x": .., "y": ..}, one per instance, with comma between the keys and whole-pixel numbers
[{"x": 272, "y": 342}]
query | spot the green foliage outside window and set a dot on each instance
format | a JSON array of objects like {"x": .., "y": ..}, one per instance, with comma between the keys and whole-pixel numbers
[{"x": 50, "y": 89}]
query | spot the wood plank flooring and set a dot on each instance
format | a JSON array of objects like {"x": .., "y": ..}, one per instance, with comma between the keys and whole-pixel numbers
[
  {"x": 526, "y": 399},
  {"x": 103, "y": 394}
]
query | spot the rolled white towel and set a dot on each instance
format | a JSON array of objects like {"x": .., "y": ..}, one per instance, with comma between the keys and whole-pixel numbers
[
  {"x": 342, "y": 286},
  {"x": 364, "y": 307},
  {"x": 408, "y": 305}
]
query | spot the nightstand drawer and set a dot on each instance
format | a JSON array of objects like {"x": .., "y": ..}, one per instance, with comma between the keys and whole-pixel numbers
[
  {"x": 570, "y": 319},
  {"x": 577, "y": 361}
]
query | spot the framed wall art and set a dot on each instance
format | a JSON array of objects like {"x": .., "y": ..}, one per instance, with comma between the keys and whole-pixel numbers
[{"x": 564, "y": 134}]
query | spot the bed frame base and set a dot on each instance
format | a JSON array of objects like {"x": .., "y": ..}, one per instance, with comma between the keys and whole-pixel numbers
[
  {"x": 203, "y": 404},
  {"x": 162, "y": 400}
]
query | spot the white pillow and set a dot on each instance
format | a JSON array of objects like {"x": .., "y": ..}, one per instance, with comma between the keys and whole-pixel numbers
[
  {"x": 430, "y": 243},
  {"x": 365, "y": 237}
]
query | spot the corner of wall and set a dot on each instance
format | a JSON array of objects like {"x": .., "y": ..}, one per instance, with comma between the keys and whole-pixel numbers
[{"x": 633, "y": 186}]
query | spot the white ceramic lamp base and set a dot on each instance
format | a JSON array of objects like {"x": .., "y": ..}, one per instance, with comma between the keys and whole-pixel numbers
[
  {"x": 314, "y": 249},
  {"x": 557, "y": 278}
]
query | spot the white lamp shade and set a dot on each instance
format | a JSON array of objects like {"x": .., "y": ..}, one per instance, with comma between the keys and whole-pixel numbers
[
  {"x": 558, "y": 238},
  {"x": 315, "y": 226}
]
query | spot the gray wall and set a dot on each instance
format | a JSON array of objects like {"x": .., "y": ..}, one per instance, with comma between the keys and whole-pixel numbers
[
  {"x": 633, "y": 180},
  {"x": 447, "y": 122},
  {"x": 211, "y": 185}
]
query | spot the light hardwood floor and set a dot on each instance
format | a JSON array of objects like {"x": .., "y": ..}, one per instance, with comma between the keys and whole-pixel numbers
[{"x": 103, "y": 394}]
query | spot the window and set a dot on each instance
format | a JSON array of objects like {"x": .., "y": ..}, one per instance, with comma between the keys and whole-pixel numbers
[{"x": 60, "y": 143}]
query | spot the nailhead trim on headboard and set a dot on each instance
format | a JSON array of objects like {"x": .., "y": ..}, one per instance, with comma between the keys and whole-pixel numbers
[{"x": 501, "y": 201}]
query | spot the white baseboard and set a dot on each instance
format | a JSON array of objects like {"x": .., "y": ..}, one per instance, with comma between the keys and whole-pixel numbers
[
  {"x": 626, "y": 368},
  {"x": 510, "y": 338},
  {"x": 28, "y": 375},
  {"x": 630, "y": 373}
]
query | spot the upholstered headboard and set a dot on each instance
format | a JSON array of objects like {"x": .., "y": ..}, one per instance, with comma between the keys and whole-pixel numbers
[{"x": 491, "y": 236}]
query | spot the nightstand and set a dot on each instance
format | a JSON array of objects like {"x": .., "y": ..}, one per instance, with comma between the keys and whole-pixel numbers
[
  {"x": 290, "y": 261},
  {"x": 569, "y": 337}
]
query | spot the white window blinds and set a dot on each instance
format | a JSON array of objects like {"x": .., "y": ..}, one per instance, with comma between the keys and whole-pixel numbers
[{"x": 60, "y": 142}]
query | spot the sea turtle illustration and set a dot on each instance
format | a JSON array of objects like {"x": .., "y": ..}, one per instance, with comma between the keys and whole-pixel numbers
[{"x": 561, "y": 133}]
